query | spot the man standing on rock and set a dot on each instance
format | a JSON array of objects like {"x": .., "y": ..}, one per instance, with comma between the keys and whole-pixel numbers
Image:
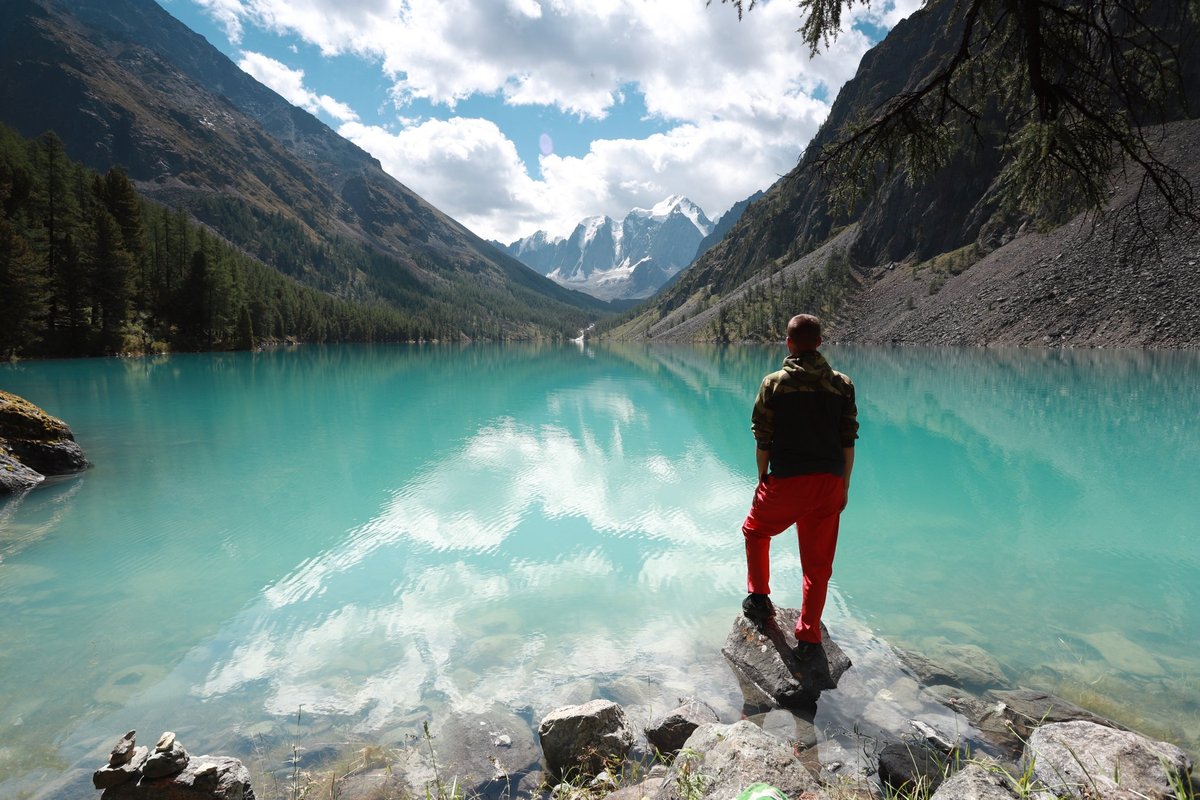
[{"x": 804, "y": 423}]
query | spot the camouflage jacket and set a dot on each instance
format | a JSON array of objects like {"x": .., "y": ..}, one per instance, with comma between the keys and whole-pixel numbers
[{"x": 804, "y": 415}]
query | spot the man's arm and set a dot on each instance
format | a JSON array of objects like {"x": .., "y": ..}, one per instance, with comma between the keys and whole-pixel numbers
[
  {"x": 848, "y": 452},
  {"x": 763, "y": 459}
]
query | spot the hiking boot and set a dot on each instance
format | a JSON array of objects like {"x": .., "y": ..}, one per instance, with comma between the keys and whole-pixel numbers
[
  {"x": 758, "y": 608},
  {"x": 807, "y": 650}
]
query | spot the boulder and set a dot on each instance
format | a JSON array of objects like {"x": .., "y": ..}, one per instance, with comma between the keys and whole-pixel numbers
[
  {"x": 912, "y": 768},
  {"x": 1084, "y": 759},
  {"x": 977, "y": 781},
  {"x": 668, "y": 732},
  {"x": 15, "y": 477},
  {"x": 42, "y": 443},
  {"x": 582, "y": 738},
  {"x": 765, "y": 657},
  {"x": 719, "y": 761},
  {"x": 204, "y": 778}
]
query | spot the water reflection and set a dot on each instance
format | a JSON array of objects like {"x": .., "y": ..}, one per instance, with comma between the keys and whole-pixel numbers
[{"x": 383, "y": 535}]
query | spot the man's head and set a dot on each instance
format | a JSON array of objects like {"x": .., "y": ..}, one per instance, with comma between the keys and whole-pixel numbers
[{"x": 803, "y": 333}]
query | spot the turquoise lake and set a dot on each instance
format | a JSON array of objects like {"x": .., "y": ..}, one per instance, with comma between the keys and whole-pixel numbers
[{"x": 387, "y": 535}]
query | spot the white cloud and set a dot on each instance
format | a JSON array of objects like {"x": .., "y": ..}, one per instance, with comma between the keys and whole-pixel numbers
[
  {"x": 738, "y": 96},
  {"x": 289, "y": 83}
]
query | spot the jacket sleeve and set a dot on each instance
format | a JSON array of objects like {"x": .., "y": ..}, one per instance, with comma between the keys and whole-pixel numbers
[
  {"x": 848, "y": 427},
  {"x": 762, "y": 418}
]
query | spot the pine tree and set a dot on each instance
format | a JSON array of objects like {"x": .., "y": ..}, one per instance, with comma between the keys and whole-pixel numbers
[{"x": 23, "y": 294}]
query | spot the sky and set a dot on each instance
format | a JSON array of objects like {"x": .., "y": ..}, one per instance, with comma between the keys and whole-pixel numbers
[{"x": 514, "y": 116}]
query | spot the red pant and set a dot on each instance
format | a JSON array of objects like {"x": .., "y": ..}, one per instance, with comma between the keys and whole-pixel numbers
[{"x": 813, "y": 503}]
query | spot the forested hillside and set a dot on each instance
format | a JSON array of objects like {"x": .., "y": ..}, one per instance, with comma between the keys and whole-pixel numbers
[
  {"x": 124, "y": 84},
  {"x": 89, "y": 268},
  {"x": 907, "y": 243}
]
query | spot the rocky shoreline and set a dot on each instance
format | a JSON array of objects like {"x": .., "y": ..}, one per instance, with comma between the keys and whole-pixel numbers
[{"x": 992, "y": 741}]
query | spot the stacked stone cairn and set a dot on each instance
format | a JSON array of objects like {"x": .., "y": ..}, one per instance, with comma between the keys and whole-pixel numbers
[{"x": 169, "y": 773}]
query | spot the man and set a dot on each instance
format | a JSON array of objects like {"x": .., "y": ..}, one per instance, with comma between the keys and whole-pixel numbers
[{"x": 804, "y": 423}]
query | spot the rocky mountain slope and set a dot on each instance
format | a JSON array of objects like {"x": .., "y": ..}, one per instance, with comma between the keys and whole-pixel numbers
[
  {"x": 936, "y": 261},
  {"x": 124, "y": 83},
  {"x": 608, "y": 259}
]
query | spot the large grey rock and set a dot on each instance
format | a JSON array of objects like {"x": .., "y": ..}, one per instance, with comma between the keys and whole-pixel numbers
[
  {"x": 582, "y": 738},
  {"x": 976, "y": 781},
  {"x": 15, "y": 477},
  {"x": 1023, "y": 710},
  {"x": 488, "y": 751},
  {"x": 719, "y": 761},
  {"x": 39, "y": 441},
  {"x": 204, "y": 778},
  {"x": 668, "y": 732},
  {"x": 765, "y": 658},
  {"x": 1083, "y": 759}
]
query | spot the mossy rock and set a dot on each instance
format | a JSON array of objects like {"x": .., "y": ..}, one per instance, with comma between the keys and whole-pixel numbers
[
  {"x": 37, "y": 440},
  {"x": 21, "y": 419}
]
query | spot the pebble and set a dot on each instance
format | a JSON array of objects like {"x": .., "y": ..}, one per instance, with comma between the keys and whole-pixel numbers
[
  {"x": 122, "y": 751},
  {"x": 165, "y": 742}
]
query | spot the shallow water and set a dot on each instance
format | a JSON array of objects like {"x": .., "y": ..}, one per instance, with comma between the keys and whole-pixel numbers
[{"x": 386, "y": 535}]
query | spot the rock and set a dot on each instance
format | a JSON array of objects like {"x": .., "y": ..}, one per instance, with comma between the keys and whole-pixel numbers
[
  {"x": 639, "y": 791},
  {"x": 115, "y": 774},
  {"x": 719, "y": 761},
  {"x": 487, "y": 751},
  {"x": 122, "y": 751},
  {"x": 166, "y": 762},
  {"x": 39, "y": 441},
  {"x": 669, "y": 731},
  {"x": 165, "y": 742},
  {"x": 583, "y": 738},
  {"x": 765, "y": 658},
  {"x": 976, "y": 781},
  {"x": 1025, "y": 709},
  {"x": 15, "y": 477},
  {"x": 1084, "y": 759},
  {"x": 204, "y": 778},
  {"x": 991, "y": 719},
  {"x": 964, "y": 665},
  {"x": 912, "y": 768}
]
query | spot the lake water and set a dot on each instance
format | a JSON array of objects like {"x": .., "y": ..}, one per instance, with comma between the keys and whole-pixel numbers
[{"x": 386, "y": 535}]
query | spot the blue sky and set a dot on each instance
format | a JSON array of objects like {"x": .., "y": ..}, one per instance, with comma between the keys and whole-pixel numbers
[{"x": 521, "y": 115}]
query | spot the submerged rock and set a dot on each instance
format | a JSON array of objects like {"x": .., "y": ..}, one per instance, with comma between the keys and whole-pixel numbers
[
  {"x": 765, "y": 656},
  {"x": 912, "y": 768}
]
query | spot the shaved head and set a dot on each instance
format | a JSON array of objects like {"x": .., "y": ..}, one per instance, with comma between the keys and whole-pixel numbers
[{"x": 804, "y": 332}]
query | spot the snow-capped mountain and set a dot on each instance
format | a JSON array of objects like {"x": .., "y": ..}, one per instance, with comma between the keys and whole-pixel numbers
[{"x": 627, "y": 259}]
